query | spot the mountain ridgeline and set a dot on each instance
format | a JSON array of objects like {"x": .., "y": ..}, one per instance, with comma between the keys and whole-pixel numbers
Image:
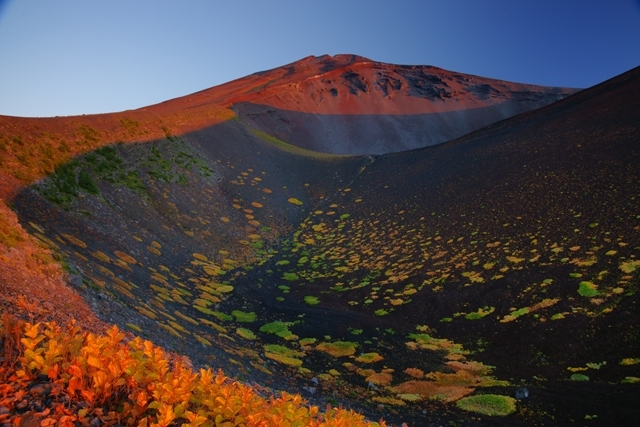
[{"x": 394, "y": 238}]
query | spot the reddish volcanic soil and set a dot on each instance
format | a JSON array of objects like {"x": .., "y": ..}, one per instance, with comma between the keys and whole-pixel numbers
[
  {"x": 343, "y": 104},
  {"x": 347, "y": 104}
]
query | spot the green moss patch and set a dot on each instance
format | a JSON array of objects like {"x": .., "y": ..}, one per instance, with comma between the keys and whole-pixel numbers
[
  {"x": 488, "y": 404},
  {"x": 241, "y": 316},
  {"x": 222, "y": 316},
  {"x": 311, "y": 300},
  {"x": 290, "y": 276},
  {"x": 369, "y": 358},
  {"x": 579, "y": 377},
  {"x": 307, "y": 341},
  {"x": 246, "y": 333},
  {"x": 588, "y": 289},
  {"x": 482, "y": 312},
  {"x": 280, "y": 329},
  {"x": 630, "y": 266},
  {"x": 284, "y": 355}
]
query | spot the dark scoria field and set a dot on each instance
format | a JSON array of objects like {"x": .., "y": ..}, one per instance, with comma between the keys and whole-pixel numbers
[{"x": 394, "y": 284}]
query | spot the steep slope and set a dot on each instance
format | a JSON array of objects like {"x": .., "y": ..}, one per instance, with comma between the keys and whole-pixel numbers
[{"x": 409, "y": 279}]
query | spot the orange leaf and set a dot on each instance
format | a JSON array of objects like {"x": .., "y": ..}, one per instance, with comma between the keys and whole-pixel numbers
[
  {"x": 94, "y": 361},
  {"x": 75, "y": 371},
  {"x": 48, "y": 422},
  {"x": 31, "y": 331},
  {"x": 53, "y": 372},
  {"x": 88, "y": 395},
  {"x": 75, "y": 384}
]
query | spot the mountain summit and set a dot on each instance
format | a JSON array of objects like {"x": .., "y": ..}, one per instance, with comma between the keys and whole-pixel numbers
[
  {"x": 351, "y": 105},
  {"x": 348, "y": 104},
  {"x": 342, "y": 104}
]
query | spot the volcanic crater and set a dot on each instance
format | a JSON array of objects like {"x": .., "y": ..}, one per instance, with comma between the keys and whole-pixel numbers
[{"x": 385, "y": 237}]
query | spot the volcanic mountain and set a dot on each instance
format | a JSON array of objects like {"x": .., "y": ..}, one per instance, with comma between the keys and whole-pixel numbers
[
  {"x": 275, "y": 227},
  {"x": 351, "y": 105},
  {"x": 343, "y": 104}
]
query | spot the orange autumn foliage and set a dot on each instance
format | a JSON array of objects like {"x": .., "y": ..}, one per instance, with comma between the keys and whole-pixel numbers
[{"x": 147, "y": 387}]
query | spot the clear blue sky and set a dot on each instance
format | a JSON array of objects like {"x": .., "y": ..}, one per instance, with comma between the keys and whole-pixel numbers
[{"x": 65, "y": 57}]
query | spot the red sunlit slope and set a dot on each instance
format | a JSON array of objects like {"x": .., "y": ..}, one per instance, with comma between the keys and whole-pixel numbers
[
  {"x": 343, "y": 104},
  {"x": 347, "y": 104},
  {"x": 351, "y": 105}
]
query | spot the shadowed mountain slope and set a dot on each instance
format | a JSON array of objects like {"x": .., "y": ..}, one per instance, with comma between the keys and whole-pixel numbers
[{"x": 509, "y": 257}]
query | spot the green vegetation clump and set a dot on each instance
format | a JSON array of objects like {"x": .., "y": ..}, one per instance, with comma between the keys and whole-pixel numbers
[
  {"x": 222, "y": 316},
  {"x": 246, "y": 333},
  {"x": 588, "y": 289},
  {"x": 241, "y": 316},
  {"x": 579, "y": 377},
  {"x": 280, "y": 349},
  {"x": 311, "y": 300},
  {"x": 86, "y": 183},
  {"x": 630, "y": 266},
  {"x": 520, "y": 312},
  {"x": 284, "y": 355},
  {"x": 488, "y": 404},
  {"x": 107, "y": 164},
  {"x": 133, "y": 182},
  {"x": 290, "y": 276},
  {"x": 369, "y": 358},
  {"x": 81, "y": 174},
  {"x": 482, "y": 312},
  {"x": 161, "y": 160},
  {"x": 158, "y": 167},
  {"x": 62, "y": 187},
  {"x": 427, "y": 342},
  {"x": 278, "y": 328}
]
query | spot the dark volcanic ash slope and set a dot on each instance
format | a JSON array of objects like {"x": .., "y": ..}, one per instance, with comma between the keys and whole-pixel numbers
[
  {"x": 520, "y": 241},
  {"x": 351, "y": 105}
]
